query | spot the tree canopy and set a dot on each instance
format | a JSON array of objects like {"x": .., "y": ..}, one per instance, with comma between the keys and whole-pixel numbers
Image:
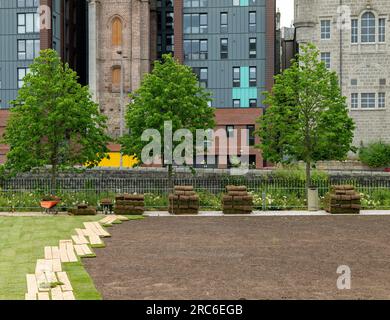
[
  {"x": 307, "y": 117},
  {"x": 54, "y": 120}
]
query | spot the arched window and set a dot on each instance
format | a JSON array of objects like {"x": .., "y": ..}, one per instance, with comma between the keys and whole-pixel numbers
[
  {"x": 368, "y": 27},
  {"x": 116, "y": 32},
  {"x": 116, "y": 77}
]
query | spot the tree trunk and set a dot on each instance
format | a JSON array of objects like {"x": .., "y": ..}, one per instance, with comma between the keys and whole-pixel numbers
[
  {"x": 170, "y": 178},
  {"x": 308, "y": 179},
  {"x": 53, "y": 178}
]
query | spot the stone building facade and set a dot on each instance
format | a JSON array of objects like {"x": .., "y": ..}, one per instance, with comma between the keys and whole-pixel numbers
[
  {"x": 119, "y": 30},
  {"x": 354, "y": 40}
]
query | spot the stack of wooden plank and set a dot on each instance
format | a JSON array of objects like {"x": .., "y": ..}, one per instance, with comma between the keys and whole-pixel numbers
[
  {"x": 129, "y": 204},
  {"x": 342, "y": 199},
  {"x": 83, "y": 210},
  {"x": 184, "y": 200},
  {"x": 237, "y": 200}
]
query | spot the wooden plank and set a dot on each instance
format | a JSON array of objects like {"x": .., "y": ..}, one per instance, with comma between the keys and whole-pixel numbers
[
  {"x": 48, "y": 253},
  {"x": 79, "y": 232},
  {"x": 57, "y": 265},
  {"x": 122, "y": 218},
  {"x": 30, "y": 296},
  {"x": 79, "y": 239},
  {"x": 40, "y": 266},
  {"x": 51, "y": 277},
  {"x": 43, "y": 296},
  {"x": 70, "y": 251},
  {"x": 95, "y": 240},
  {"x": 55, "y": 253},
  {"x": 48, "y": 265},
  {"x": 79, "y": 249},
  {"x": 86, "y": 249},
  {"x": 32, "y": 286},
  {"x": 100, "y": 229},
  {"x": 68, "y": 295},
  {"x": 42, "y": 282},
  {"x": 63, "y": 277},
  {"x": 105, "y": 220},
  {"x": 63, "y": 253},
  {"x": 56, "y": 293}
]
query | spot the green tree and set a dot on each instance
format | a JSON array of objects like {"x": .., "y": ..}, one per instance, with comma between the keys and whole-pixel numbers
[
  {"x": 171, "y": 92},
  {"x": 53, "y": 120},
  {"x": 307, "y": 117}
]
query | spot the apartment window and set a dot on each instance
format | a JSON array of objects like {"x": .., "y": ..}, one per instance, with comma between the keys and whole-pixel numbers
[
  {"x": 28, "y": 23},
  {"x": 251, "y": 134},
  {"x": 252, "y": 21},
  {"x": 368, "y": 100},
  {"x": 236, "y": 77},
  {"x": 252, "y": 103},
  {"x": 21, "y": 73},
  {"x": 354, "y": 31},
  {"x": 382, "y": 30},
  {"x": 195, "y": 49},
  {"x": 252, "y": 48},
  {"x": 28, "y": 3},
  {"x": 236, "y": 2},
  {"x": 252, "y": 76},
  {"x": 354, "y": 82},
  {"x": 354, "y": 100},
  {"x": 202, "y": 75},
  {"x": 195, "y": 23},
  {"x": 325, "y": 29},
  {"x": 230, "y": 131},
  {"x": 236, "y": 103},
  {"x": 325, "y": 57},
  {"x": 28, "y": 49},
  {"x": 195, "y": 3},
  {"x": 224, "y": 48},
  {"x": 224, "y": 22},
  {"x": 368, "y": 27},
  {"x": 382, "y": 82},
  {"x": 381, "y": 100}
]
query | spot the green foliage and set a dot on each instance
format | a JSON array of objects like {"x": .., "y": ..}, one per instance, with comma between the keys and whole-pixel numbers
[
  {"x": 375, "y": 155},
  {"x": 170, "y": 93},
  {"x": 297, "y": 173},
  {"x": 54, "y": 120},
  {"x": 307, "y": 118}
]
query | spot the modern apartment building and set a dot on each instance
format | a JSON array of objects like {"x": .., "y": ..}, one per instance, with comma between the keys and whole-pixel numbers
[
  {"x": 230, "y": 44},
  {"x": 353, "y": 37}
]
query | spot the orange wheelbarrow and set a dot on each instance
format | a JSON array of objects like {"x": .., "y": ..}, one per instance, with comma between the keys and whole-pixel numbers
[{"x": 50, "y": 206}]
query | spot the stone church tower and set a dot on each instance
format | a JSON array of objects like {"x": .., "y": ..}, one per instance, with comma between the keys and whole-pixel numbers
[
  {"x": 121, "y": 35},
  {"x": 354, "y": 40}
]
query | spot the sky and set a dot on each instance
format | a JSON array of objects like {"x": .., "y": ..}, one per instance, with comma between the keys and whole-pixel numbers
[{"x": 286, "y": 8}]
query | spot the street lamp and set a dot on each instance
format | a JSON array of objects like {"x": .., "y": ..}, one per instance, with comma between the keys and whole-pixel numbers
[{"x": 121, "y": 108}]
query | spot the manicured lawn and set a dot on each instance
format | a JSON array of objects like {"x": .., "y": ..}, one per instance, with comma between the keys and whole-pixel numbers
[{"x": 22, "y": 240}]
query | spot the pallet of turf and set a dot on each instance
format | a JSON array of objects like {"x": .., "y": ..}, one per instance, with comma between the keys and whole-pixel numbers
[
  {"x": 83, "y": 210},
  {"x": 129, "y": 204},
  {"x": 184, "y": 200},
  {"x": 237, "y": 201},
  {"x": 342, "y": 199}
]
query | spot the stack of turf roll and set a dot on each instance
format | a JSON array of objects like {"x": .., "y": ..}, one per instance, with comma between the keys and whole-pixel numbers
[
  {"x": 237, "y": 201},
  {"x": 129, "y": 204},
  {"x": 184, "y": 200},
  {"x": 342, "y": 200},
  {"x": 83, "y": 210}
]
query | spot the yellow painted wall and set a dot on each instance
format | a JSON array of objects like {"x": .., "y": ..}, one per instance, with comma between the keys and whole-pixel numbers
[{"x": 114, "y": 161}]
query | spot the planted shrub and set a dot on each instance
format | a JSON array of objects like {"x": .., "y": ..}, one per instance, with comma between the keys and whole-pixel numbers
[{"x": 375, "y": 155}]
